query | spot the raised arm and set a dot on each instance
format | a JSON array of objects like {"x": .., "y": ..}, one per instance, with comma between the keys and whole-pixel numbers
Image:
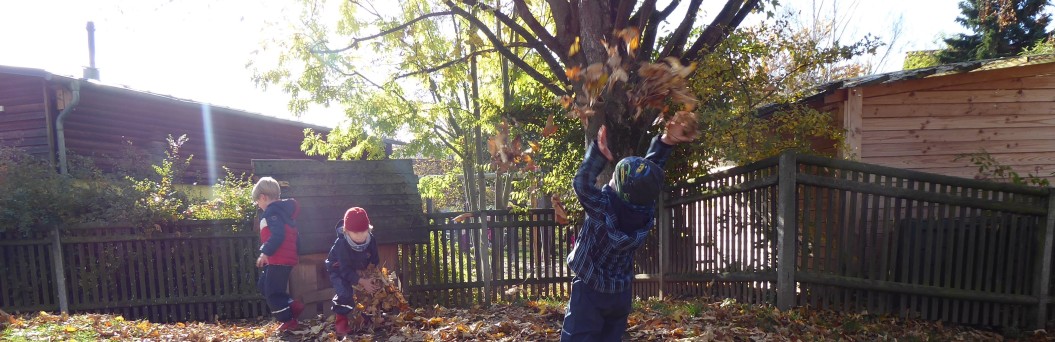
[{"x": 597, "y": 155}]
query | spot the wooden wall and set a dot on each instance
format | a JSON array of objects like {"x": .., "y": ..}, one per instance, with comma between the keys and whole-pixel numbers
[
  {"x": 387, "y": 189},
  {"x": 925, "y": 124},
  {"x": 108, "y": 117},
  {"x": 23, "y": 122}
]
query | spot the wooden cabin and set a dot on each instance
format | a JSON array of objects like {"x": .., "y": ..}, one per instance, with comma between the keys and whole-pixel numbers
[
  {"x": 928, "y": 119},
  {"x": 103, "y": 121}
]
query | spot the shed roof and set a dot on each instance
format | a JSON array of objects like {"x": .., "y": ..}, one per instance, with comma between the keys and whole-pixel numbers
[
  {"x": 126, "y": 90},
  {"x": 829, "y": 88}
]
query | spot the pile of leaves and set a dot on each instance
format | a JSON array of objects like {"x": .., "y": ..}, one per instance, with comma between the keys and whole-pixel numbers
[{"x": 695, "y": 320}]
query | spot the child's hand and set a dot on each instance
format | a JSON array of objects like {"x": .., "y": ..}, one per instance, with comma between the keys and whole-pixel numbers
[
  {"x": 262, "y": 260},
  {"x": 367, "y": 285},
  {"x": 602, "y": 142}
]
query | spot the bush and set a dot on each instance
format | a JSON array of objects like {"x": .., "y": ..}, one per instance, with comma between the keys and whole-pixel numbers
[
  {"x": 232, "y": 200},
  {"x": 33, "y": 196}
]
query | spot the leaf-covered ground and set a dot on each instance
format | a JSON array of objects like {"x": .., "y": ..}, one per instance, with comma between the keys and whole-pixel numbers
[{"x": 530, "y": 321}]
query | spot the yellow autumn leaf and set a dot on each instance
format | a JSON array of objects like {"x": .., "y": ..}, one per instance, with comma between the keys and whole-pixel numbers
[
  {"x": 70, "y": 329},
  {"x": 574, "y": 49}
]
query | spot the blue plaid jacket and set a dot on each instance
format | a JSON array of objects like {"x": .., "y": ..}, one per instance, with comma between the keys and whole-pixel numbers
[{"x": 603, "y": 254}]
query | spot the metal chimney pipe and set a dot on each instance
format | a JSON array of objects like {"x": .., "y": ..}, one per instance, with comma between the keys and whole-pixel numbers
[{"x": 91, "y": 72}]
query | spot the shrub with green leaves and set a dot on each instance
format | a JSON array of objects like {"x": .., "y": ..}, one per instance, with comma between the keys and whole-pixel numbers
[
  {"x": 232, "y": 200},
  {"x": 34, "y": 197}
]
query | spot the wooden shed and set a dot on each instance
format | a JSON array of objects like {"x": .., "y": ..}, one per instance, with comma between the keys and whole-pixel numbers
[
  {"x": 924, "y": 119},
  {"x": 103, "y": 119}
]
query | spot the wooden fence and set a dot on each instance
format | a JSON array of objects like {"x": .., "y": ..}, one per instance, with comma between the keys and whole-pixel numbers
[
  {"x": 792, "y": 230},
  {"x": 802, "y": 230},
  {"x": 493, "y": 255},
  {"x": 193, "y": 271}
]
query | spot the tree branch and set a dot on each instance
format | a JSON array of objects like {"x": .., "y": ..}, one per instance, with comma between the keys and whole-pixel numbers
[
  {"x": 355, "y": 41},
  {"x": 651, "y": 29},
  {"x": 521, "y": 8},
  {"x": 728, "y": 19},
  {"x": 643, "y": 14},
  {"x": 622, "y": 14},
  {"x": 455, "y": 61},
  {"x": 565, "y": 27},
  {"x": 520, "y": 63},
  {"x": 555, "y": 67},
  {"x": 677, "y": 40},
  {"x": 450, "y": 146}
]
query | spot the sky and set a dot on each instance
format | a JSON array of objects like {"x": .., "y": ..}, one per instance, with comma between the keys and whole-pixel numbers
[{"x": 198, "y": 49}]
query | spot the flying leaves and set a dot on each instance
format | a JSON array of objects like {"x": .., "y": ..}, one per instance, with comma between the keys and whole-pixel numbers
[
  {"x": 508, "y": 153},
  {"x": 660, "y": 87}
]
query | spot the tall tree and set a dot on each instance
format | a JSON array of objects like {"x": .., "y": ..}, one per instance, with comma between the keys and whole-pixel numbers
[
  {"x": 605, "y": 56},
  {"x": 999, "y": 28}
]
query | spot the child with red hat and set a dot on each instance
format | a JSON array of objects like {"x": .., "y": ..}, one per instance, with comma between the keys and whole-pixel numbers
[{"x": 353, "y": 251}]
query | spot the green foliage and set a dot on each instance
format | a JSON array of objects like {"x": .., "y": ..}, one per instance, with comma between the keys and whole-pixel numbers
[
  {"x": 232, "y": 200},
  {"x": 992, "y": 170},
  {"x": 1042, "y": 47},
  {"x": 33, "y": 196},
  {"x": 157, "y": 200},
  {"x": 999, "y": 28},
  {"x": 758, "y": 66},
  {"x": 921, "y": 59}
]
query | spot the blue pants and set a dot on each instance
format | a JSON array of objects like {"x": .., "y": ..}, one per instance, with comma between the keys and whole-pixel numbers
[
  {"x": 343, "y": 301},
  {"x": 273, "y": 284},
  {"x": 595, "y": 316}
]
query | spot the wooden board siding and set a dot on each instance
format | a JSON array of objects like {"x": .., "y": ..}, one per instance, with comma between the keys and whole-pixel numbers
[
  {"x": 108, "y": 118},
  {"x": 387, "y": 189},
  {"x": 930, "y": 122},
  {"x": 23, "y": 121}
]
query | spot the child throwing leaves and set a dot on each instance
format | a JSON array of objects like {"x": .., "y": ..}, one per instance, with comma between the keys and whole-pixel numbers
[{"x": 619, "y": 216}]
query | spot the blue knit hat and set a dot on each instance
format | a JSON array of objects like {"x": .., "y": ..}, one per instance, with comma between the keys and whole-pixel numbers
[{"x": 637, "y": 180}]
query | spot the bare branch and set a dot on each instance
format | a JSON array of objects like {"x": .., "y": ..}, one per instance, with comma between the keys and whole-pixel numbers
[
  {"x": 456, "y": 61},
  {"x": 622, "y": 13},
  {"x": 728, "y": 19},
  {"x": 522, "y": 10},
  {"x": 552, "y": 63},
  {"x": 497, "y": 43},
  {"x": 355, "y": 41},
  {"x": 650, "y": 30},
  {"x": 677, "y": 40},
  {"x": 639, "y": 19},
  {"x": 449, "y": 145},
  {"x": 565, "y": 25}
]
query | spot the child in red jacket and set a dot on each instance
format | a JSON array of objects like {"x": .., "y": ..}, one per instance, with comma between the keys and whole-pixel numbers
[{"x": 278, "y": 253}]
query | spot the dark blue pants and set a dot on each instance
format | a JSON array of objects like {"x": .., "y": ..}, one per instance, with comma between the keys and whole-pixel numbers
[
  {"x": 343, "y": 301},
  {"x": 274, "y": 284},
  {"x": 595, "y": 316}
]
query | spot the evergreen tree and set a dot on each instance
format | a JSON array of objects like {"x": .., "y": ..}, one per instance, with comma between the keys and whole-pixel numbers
[{"x": 999, "y": 28}]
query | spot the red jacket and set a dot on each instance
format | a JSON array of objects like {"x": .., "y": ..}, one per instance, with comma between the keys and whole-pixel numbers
[{"x": 278, "y": 232}]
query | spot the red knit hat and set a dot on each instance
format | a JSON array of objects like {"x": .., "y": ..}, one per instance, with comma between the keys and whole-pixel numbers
[{"x": 355, "y": 220}]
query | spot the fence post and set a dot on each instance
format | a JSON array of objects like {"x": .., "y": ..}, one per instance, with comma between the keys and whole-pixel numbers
[
  {"x": 1043, "y": 265},
  {"x": 60, "y": 273},
  {"x": 665, "y": 225},
  {"x": 786, "y": 230},
  {"x": 484, "y": 253}
]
